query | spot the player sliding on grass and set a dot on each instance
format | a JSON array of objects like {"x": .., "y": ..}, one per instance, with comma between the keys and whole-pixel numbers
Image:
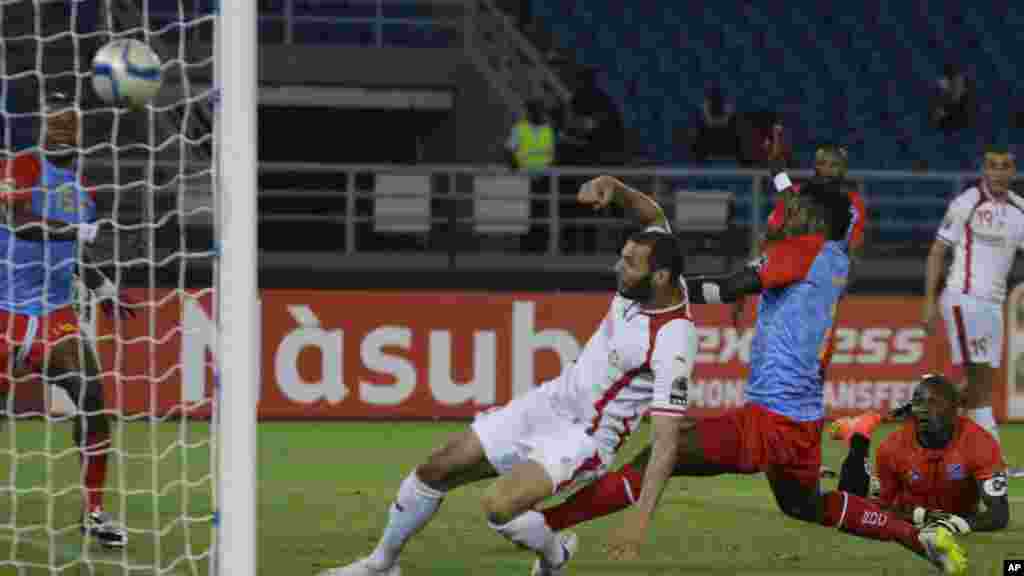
[
  {"x": 568, "y": 430},
  {"x": 800, "y": 279},
  {"x": 937, "y": 466}
]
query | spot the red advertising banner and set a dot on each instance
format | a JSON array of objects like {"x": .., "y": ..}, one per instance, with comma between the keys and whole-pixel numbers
[{"x": 446, "y": 355}]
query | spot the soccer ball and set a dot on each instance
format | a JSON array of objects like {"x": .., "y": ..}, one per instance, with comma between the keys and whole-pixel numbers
[{"x": 126, "y": 72}]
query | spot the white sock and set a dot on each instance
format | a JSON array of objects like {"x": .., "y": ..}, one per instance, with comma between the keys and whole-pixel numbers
[
  {"x": 412, "y": 509},
  {"x": 983, "y": 417},
  {"x": 529, "y": 529}
]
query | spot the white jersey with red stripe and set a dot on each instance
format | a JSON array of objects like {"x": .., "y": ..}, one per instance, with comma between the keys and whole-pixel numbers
[
  {"x": 985, "y": 232},
  {"x": 636, "y": 360}
]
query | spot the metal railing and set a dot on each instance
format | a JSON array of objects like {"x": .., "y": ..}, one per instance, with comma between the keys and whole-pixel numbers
[
  {"x": 919, "y": 197},
  {"x": 379, "y": 22}
]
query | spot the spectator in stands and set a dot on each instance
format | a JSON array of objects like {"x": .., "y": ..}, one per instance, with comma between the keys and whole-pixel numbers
[
  {"x": 755, "y": 135},
  {"x": 530, "y": 147},
  {"x": 952, "y": 107},
  {"x": 715, "y": 131},
  {"x": 596, "y": 126},
  {"x": 531, "y": 143}
]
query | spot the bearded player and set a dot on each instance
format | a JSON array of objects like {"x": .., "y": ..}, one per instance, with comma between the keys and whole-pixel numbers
[
  {"x": 938, "y": 466},
  {"x": 568, "y": 430},
  {"x": 778, "y": 431},
  {"x": 49, "y": 217}
]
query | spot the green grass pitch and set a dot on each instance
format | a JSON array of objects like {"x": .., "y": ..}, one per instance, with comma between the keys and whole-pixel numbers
[{"x": 324, "y": 489}]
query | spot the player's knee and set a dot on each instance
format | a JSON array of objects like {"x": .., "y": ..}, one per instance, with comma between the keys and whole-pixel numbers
[
  {"x": 437, "y": 470},
  {"x": 498, "y": 510}
]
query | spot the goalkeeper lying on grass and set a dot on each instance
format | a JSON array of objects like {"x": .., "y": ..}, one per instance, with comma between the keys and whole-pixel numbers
[{"x": 938, "y": 466}]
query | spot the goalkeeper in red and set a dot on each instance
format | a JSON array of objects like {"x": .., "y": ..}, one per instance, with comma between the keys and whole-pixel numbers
[
  {"x": 938, "y": 466},
  {"x": 778, "y": 432},
  {"x": 49, "y": 218}
]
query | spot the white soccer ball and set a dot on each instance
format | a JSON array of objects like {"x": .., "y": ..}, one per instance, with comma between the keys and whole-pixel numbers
[{"x": 126, "y": 72}]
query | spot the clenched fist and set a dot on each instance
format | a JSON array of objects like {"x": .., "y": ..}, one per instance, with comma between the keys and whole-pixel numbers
[{"x": 599, "y": 192}]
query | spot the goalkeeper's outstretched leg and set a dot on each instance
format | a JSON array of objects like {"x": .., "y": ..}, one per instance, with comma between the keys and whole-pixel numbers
[
  {"x": 752, "y": 439},
  {"x": 72, "y": 365}
]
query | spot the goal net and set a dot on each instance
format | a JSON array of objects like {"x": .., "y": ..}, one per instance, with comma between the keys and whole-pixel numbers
[{"x": 155, "y": 178}]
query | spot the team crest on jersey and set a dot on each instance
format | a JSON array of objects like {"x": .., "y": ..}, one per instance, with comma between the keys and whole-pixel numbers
[
  {"x": 956, "y": 472},
  {"x": 67, "y": 196},
  {"x": 914, "y": 476}
]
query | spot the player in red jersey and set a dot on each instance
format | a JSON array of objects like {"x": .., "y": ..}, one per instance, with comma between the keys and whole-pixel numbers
[
  {"x": 48, "y": 219},
  {"x": 938, "y": 465},
  {"x": 778, "y": 430},
  {"x": 831, "y": 162}
]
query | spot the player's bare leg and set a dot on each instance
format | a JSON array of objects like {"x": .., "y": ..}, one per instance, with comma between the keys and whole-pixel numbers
[
  {"x": 460, "y": 461},
  {"x": 978, "y": 398},
  {"x": 508, "y": 504},
  {"x": 862, "y": 517},
  {"x": 73, "y": 367},
  {"x": 618, "y": 490}
]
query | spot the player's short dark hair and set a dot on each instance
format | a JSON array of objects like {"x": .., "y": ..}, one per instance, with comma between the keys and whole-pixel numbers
[
  {"x": 942, "y": 385},
  {"x": 998, "y": 149},
  {"x": 666, "y": 251},
  {"x": 830, "y": 197}
]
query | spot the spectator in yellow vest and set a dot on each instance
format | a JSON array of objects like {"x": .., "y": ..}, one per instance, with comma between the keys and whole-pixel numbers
[{"x": 531, "y": 144}]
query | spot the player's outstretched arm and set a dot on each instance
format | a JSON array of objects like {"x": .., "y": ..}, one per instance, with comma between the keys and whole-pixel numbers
[
  {"x": 604, "y": 191},
  {"x": 111, "y": 299},
  {"x": 28, "y": 226},
  {"x": 93, "y": 278},
  {"x": 933, "y": 274},
  {"x": 666, "y": 430},
  {"x": 723, "y": 289},
  {"x": 996, "y": 515},
  {"x": 630, "y": 535}
]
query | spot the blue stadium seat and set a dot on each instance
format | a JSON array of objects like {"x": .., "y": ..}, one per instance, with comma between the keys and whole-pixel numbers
[{"x": 859, "y": 72}]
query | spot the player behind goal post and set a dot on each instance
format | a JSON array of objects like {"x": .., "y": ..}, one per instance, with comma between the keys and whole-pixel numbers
[{"x": 49, "y": 221}]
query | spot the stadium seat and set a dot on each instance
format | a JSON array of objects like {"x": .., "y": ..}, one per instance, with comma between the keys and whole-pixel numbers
[
  {"x": 501, "y": 205},
  {"x": 401, "y": 204},
  {"x": 704, "y": 210}
]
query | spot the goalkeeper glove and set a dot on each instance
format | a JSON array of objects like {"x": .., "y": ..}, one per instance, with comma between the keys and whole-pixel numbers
[{"x": 924, "y": 518}]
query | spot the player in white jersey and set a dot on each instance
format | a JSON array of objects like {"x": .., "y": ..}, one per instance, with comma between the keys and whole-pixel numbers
[
  {"x": 567, "y": 431},
  {"x": 985, "y": 227}
]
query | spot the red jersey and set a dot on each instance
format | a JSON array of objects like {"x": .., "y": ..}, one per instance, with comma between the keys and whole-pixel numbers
[
  {"x": 944, "y": 479},
  {"x": 775, "y": 220},
  {"x": 856, "y": 234}
]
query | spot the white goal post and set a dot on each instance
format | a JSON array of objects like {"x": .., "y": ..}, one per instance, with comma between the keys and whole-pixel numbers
[
  {"x": 238, "y": 309},
  {"x": 173, "y": 187}
]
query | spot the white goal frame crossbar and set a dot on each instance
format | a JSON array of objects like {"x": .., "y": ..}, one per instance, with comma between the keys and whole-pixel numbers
[{"x": 238, "y": 323}]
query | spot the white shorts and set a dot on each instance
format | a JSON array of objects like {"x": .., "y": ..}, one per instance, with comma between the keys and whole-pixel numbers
[
  {"x": 528, "y": 428},
  {"x": 974, "y": 328}
]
